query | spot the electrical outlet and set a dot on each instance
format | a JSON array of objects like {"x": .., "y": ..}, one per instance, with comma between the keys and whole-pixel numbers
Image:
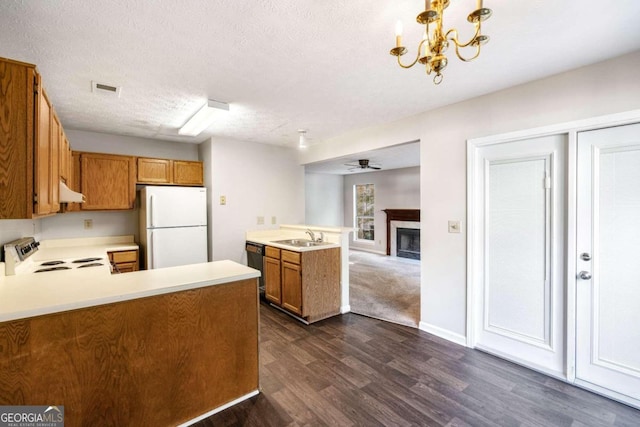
[
  {"x": 223, "y": 200},
  {"x": 260, "y": 220},
  {"x": 273, "y": 220},
  {"x": 454, "y": 226},
  {"x": 88, "y": 224}
]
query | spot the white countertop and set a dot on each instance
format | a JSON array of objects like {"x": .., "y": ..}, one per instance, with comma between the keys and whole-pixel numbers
[
  {"x": 83, "y": 247},
  {"x": 29, "y": 295},
  {"x": 269, "y": 237}
]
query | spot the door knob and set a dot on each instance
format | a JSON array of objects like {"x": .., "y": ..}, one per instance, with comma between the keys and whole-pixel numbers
[{"x": 584, "y": 275}]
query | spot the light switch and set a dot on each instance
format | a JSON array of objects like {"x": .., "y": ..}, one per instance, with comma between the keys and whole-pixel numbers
[
  {"x": 454, "y": 226},
  {"x": 260, "y": 220},
  {"x": 88, "y": 224},
  {"x": 223, "y": 200},
  {"x": 273, "y": 220}
]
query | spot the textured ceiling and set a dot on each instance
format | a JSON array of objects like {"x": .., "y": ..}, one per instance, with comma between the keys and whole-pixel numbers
[{"x": 286, "y": 64}]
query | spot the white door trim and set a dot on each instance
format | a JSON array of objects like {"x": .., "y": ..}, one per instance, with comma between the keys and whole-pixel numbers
[{"x": 570, "y": 129}]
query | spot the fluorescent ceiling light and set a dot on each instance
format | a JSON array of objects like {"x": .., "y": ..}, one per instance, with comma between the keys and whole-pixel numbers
[
  {"x": 302, "y": 140},
  {"x": 203, "y": 118}
]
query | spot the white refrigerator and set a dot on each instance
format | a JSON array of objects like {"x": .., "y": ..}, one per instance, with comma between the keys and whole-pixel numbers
[{"x": 173, "y": 226}]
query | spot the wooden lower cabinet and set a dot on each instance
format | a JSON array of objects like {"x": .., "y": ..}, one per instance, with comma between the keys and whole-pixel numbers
[
  {"x": 155, "y": 361},
  {"x": 124, "y": 261},
  {"x": 304, "y": 283},
  {"x": 292, "y": 288},
  {"x": 272, "y": 286}
]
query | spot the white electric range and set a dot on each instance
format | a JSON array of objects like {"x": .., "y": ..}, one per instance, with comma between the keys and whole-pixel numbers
[{"x": 19, "y": 259}]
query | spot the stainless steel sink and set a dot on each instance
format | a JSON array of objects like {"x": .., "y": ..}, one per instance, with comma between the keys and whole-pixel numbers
[{"x": 300, "y": 243}]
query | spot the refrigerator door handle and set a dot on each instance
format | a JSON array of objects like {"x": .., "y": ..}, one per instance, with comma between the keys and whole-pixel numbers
[
  {"x": 153, "y": 252},
  {"x": 151, "y": 210}
]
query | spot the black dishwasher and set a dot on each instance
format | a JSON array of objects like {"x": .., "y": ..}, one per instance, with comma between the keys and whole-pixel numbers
[{"x": 255, "y": 252}]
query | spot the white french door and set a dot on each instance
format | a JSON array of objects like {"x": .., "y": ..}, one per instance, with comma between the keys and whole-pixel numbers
[
  {"x": 608, "y": 262},
  {"x": 519, "y": 262}
]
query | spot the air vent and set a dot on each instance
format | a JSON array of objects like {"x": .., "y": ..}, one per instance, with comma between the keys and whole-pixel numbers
[{"x": 105, "y": 89}]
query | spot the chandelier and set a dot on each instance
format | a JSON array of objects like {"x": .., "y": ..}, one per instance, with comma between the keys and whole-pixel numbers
[{"x": 435, "y": 41}]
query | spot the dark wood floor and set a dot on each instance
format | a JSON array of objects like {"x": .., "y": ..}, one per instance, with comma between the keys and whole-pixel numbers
[{"x": 354, "y": 370}]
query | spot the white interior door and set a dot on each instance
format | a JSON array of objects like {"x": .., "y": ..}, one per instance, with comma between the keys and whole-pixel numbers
[
  {"x": 608, "y": 293},
  {"x": 519, "y": 301}
]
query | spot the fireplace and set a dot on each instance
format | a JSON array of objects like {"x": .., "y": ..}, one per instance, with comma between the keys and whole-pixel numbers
[
  {"x": 408, "y": 243},
  {"x": 401, "y": 218}
]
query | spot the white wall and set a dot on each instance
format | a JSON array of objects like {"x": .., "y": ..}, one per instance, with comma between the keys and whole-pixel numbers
[
  {"x": 394, "y": 189},
  {"x": 604, "y": 88},
  {"x": 257, "y": 180},
  {"x": 324, "y": 199},
  {"x": 106, "y": 223},
  {"x": 95, "y": 142}
]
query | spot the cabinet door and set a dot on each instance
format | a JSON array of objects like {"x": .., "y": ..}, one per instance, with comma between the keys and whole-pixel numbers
[
  {"x": 65, "y": 159},
  {"x": 54, "y": 161},
  {"x": 74, "y": 179},
  {"x": 42, "y": 167},
  {"x": 272, "y": 290},
  {"x": 291, "y": 288},
  {"x": 154, "y": 171},
  {"x": 18, "y": 110},
  {"x": 107, "y": 181},
  {"x": 187, "y": 173}
]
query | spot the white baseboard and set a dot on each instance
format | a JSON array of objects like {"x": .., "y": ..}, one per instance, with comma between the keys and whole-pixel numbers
[
  {"x": 220, "y": 408},
  {"x": 443, "y": 333},
  {"x": 345, "y": 309}
]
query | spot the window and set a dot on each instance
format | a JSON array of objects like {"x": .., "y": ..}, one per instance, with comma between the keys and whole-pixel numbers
[{"x": 363, "y": 201}]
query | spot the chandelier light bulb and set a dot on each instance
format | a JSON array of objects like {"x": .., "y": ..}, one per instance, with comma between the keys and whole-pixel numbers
[{"x": 399, "y": 33}]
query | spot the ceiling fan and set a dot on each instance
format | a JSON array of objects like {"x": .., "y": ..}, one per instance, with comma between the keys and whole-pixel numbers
[{"x": 362, "y": 164}]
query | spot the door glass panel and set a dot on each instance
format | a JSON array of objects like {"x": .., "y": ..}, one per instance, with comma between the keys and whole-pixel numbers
[
  {"x": 516, "y": 289},
  {"x": 618, "y": 283}
]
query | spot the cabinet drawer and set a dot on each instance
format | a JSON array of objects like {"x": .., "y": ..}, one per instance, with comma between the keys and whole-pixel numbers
[
  {"x": 123, "y": 256},
  {"x": 272, "y": 252},
  {"x": 292, "y": 257},
  {"x": 128, "y": 267}
]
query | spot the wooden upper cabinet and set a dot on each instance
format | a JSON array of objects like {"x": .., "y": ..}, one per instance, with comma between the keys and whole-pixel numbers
[
  {"x": 169, "y": 172},
  {"x": 188, "y": 173},
  {"x": 154, "y": 171},
  {"x": 42, "y": 156},
  {"x": 66, "y": 160},
  {"x": 30, "y": 135},
  {"x": 54, "y": 162},
  {"x": 74, "y": 179},
  {"x": 107, "y": 181},
  {"x": 17, "y": 115}
]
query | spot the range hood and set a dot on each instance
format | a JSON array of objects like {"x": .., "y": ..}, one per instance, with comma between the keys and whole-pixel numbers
[{"x": 67, "y": 195}]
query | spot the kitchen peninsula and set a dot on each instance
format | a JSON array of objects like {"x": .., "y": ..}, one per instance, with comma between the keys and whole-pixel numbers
[{"x": 157, "y": 347}]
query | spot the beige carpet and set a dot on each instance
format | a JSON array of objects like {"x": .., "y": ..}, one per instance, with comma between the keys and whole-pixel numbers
[{"x": 384, "y": 287}]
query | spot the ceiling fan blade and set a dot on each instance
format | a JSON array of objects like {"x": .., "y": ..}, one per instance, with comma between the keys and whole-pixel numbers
[{"x": 375, "y": 167}]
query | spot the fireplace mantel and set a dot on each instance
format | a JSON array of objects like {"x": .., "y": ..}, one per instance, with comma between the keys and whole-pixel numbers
[{"x": 399, "y": 215}]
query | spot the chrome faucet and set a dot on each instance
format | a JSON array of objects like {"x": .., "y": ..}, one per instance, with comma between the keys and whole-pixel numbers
[{"x": 311, "y": 234}]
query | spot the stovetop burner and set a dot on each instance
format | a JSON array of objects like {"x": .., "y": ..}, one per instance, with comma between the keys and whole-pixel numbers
[
  {"x": 93, "y": 264},
  {"x": 56, "y": 262},
  {"x": 42, "y": 270},
  {"x": 83, "y": 260}
]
